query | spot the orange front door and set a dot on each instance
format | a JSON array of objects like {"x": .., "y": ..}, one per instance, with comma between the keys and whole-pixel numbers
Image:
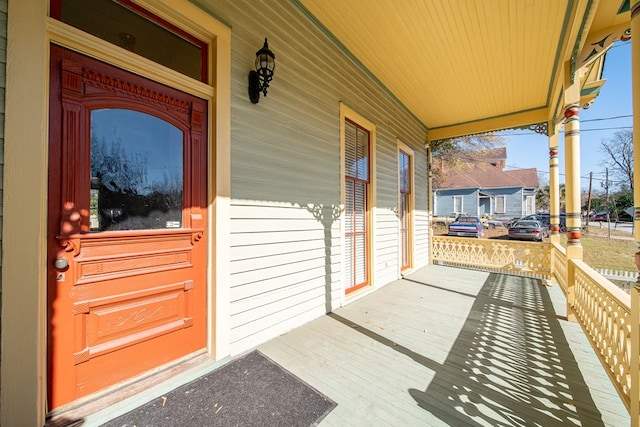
[{"x": 127, "y": 226}]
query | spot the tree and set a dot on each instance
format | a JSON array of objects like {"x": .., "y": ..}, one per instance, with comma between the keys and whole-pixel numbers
[
  {"x": 117, "y": 169},
  {"x": 543, "y": 197},
  {"x": 623, "y": 199},
  {"x": 463, "y": 153},
  {"x": 619, "y": 150}
]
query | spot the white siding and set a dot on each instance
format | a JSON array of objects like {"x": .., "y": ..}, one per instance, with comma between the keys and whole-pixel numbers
[{"x": 285, "y": 174}]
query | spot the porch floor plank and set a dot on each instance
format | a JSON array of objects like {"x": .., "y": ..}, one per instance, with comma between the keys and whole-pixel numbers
[{"x": 447, "y": 346}]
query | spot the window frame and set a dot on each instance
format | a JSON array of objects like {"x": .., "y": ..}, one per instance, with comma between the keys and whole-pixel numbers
[
  {"x": 56, "y": 13},
  {"x": 350, "y": 115},
  {"x": 455, "y": 203},
  {"x": 404, "y": 149},
  {"x": 529, "y": 205}
]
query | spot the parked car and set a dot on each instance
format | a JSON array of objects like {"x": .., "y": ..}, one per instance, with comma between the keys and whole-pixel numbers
[
  {"x": 545, "y": 219},
  {"x": 526, "y": 229},
  {"x": 624, "y": 216},
  {"x": 466, "y": 226},
  {"x": 492, "y": 223},
  {"x": 443, "y": 220},
  {"x": 600, "y": 216}
]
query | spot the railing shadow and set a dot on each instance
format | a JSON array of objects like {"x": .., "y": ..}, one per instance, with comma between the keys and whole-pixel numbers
[{"x": 510, "y": 364}]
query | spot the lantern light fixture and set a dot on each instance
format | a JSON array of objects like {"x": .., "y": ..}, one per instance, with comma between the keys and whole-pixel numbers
[{"x": 260, "y": 78}]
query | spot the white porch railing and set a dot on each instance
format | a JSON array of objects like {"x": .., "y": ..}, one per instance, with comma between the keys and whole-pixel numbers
[{"x": 609, "y": 316}]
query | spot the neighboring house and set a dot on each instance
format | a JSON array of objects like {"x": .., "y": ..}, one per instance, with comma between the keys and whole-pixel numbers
[
  {"x": 482, "y": 187},
  {"x": 153, "y": 216}
]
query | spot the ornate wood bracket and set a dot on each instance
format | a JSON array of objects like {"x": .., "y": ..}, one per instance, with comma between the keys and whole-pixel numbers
[
  {"x": 70, "y": 245},
  {"x": 196, "y": 236}
]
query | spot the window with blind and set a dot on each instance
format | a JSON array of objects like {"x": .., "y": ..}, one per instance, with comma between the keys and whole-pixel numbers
[
  {"x": 457, "y": 205},
  {"x": 404, "y": 172},
  {"x": 356, "y": 158},
  {"x": 501, "y": 204}
]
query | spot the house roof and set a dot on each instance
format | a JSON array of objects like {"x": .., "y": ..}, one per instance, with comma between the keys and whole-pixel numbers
[
  {"x": 486, "y": 176},
  {"x": 465, "y": 67}
]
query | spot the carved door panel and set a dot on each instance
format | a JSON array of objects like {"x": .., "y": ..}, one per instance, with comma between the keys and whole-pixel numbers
[{"x": 126, "y": 231}]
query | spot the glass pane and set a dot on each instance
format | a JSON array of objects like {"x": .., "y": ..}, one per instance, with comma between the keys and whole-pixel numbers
[
  {"x": 405, "y": 248},
  {"x": 363, "y": 154},
  {"x": 349, "y": 250},
  {"x": 349, "y": 207},
  {"x": 360, "y": 259},
  {"x": 404, "y": 172},
  {"x": 360, "y": 207},
  {"x": 350, "y": 155},
  {"x": 404, "y": 211},
  {"x": 136, "y": 172},
  {"x": 117, "y": 24}
]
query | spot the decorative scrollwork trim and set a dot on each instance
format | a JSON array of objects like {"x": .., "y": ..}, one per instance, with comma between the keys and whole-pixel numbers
[
  {"x": 70, "y": 245},
  {"x": 196, "y": 236},
  {"x": 113, "y": 84}
]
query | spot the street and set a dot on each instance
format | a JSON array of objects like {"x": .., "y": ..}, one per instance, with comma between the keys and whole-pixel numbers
[{"x": 620, "y": 226}]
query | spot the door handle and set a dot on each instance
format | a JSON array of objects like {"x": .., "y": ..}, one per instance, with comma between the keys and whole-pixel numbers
[{"x": 61, "y": 264}]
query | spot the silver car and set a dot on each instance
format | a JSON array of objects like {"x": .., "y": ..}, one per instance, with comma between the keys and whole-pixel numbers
[{"x": 526, "y": 229}]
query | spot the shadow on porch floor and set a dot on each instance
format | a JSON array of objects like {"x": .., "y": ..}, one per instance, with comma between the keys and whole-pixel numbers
[{"x": 448, "y": 346}]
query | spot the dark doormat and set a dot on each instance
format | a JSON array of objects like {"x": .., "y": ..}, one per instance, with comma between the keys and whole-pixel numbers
[{"x": 249, "y": 391}]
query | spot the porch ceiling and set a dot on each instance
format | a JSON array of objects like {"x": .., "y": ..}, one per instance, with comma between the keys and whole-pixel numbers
[{"x": 470, "y": 66}]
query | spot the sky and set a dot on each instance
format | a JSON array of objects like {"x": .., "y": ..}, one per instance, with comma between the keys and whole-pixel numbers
[{"x": 611, "y": 111}]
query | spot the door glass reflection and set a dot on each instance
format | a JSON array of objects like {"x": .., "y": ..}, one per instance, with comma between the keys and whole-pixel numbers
[{"x": 136, "y": 172}]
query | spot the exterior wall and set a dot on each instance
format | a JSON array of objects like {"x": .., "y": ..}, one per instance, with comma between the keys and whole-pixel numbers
[
  {"x": 285, "y": 181},
  {"x": 444, "y": 201},
  {"x": 514, "y": 202}
]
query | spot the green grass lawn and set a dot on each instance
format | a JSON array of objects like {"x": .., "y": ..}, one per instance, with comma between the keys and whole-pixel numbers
[{"x": 600, "y": 251}]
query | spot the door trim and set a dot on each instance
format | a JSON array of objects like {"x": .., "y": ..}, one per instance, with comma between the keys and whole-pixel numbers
[
  {"x": 400, "y": 146},
  {"x": 24, "y": 313}
]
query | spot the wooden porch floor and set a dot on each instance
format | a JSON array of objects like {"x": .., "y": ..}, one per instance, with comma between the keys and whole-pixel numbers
[{"x": 453, "y": 347}]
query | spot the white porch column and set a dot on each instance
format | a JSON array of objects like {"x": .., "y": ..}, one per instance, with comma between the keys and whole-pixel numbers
[
  {"x": 572, "y": 181},
  {"x": 634, "y": 409},
  {"x": 554, "y": 186},
  {"x": 635, "y": 94}
]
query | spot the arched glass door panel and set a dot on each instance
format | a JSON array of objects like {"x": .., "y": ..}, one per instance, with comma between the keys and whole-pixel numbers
[{"x": 136, "y": 171}]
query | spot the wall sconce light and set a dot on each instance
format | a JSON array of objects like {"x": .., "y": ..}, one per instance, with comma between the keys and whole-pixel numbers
[{"x": 259, "y": 79}]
